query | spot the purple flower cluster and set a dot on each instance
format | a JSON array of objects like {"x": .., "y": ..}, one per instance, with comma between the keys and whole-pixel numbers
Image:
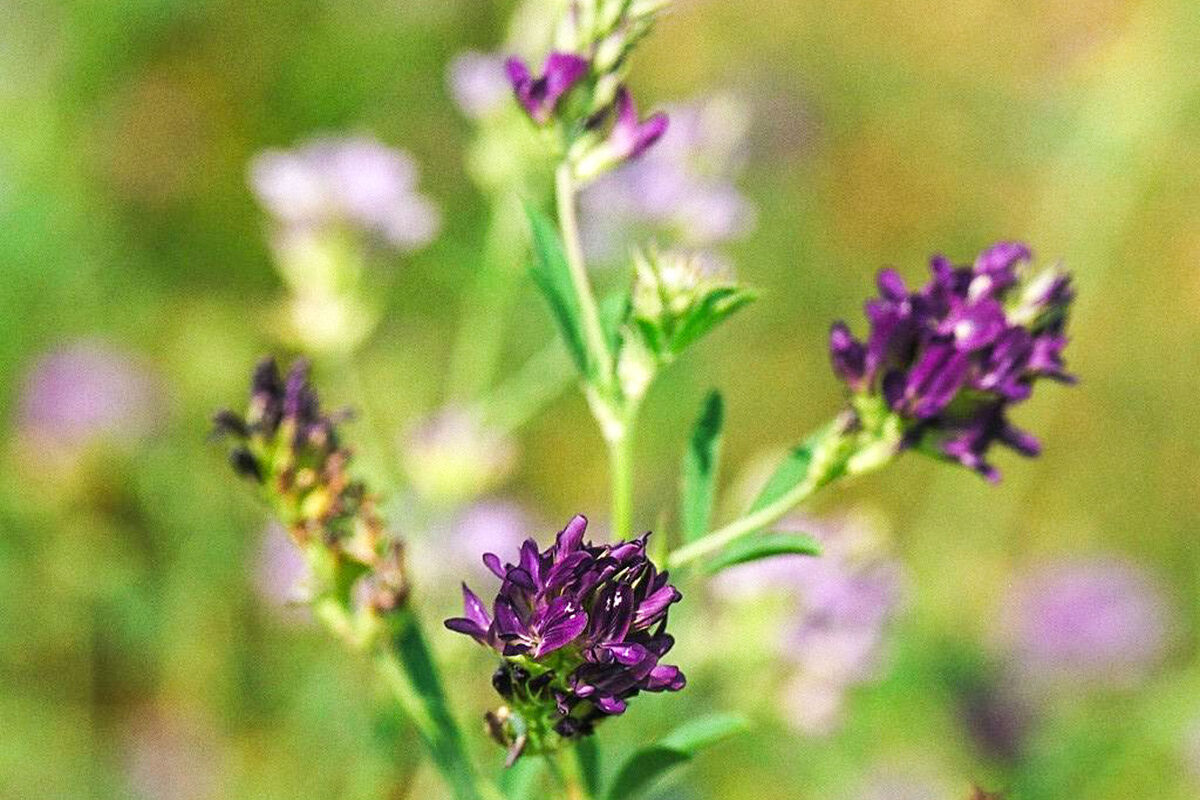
[
  {"x": 953, "y": 356},
  {"x": 541, "y": 97},
  {"x": 582, "y": 629}
]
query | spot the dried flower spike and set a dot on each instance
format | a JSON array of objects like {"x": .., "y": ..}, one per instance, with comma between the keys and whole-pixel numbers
[
  {"x": 581, "y": 629},
  {"x": 951, "y": 358}
]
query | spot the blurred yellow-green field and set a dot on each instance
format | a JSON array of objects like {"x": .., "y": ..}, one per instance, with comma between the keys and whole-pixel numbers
[{"x": 1038, "y": 636}]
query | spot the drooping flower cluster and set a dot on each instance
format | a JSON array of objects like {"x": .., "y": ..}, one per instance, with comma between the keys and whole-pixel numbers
[
  {"x": 581, "y": 628},
  {"x": 951, "y": 358},
  {"x": 289, "y": 446}
]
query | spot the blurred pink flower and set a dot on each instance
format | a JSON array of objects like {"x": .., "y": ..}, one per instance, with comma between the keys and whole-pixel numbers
[
  {"x": 844, "y": 601},
  {"x": 355, "y": 181},
  {"x": 280, "y": 572},
  {"x": 452, "y": 457},
  {"x": 479, "y": 84},
  {"x": 455, "y": 548},
  {"x": 684, "y": 186},
  {"x": 1099, "y": 620},
  {"x": 85, "y": 391}
]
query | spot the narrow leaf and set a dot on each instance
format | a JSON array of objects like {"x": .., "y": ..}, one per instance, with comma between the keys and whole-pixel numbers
[
  {"x": 553, "y": 277},
  {"x": 757, "y": 548},
  {"x": 700, "y": 463},
  {"x": 717, "y": 306},
  {"x": 588, "y": 755},
  {"x": 788, "y": 474},
  {"x": 645, "y": 766}
]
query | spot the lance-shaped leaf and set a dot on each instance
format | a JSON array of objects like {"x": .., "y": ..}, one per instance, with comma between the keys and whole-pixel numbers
[
  {"x": 713, "y": 308},
  {"x": 790, "y": 473},
  {"x": 760, "y": 547},
  {"x": 700, "y": 463},
  {"x": 553, "y": 277},
  {"x": 644, "y": 767}
]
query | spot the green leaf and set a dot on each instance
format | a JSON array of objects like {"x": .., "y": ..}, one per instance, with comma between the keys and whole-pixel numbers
[
  {"x": 716, "y": 306},
  {"x": 757, "y": 548},
  {"x": 789, "y": 474},
  {"x": 700, "y": 463},
  {"x": 553, "y": 277},
  {"x": 645, "y": 766},
  {"x": 588, "y": 755}
]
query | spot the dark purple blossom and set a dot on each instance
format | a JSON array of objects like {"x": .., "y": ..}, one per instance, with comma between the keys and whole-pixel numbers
[
  {"x": 630, "y": 135},
  {"x": 540, "y": 96},
  {"x": 952, "y": 357},
  {"x": 581, "y": 628}
]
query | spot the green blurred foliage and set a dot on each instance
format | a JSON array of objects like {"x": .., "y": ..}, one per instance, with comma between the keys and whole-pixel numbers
[{"x": 882, "y": 132}]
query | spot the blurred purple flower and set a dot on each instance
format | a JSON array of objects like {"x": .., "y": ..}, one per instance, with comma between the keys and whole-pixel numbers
[
  {"x": 1100, "y": 621},
  {"x": 632, "y": 136},
  {"x": 355, "y": 181},
  {"x": 281, "y": 572},
  {"x": 684, "y": 186},
  {"x": 479, "y": 83},
  {"x": 452, "y": 547},
  {"x": 895, "y": 785},
  {"x": 86, "y": 391},
  {"x": 539, "y": 96},
  {"x": 844, "y": 601}
]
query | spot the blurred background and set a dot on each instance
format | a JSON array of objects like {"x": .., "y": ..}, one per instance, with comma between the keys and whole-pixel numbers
[{"x": 177, "y": 178}]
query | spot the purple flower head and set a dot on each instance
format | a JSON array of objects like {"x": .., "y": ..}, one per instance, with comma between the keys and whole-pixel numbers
[
  {"x": 478, "y": 83},
  {"x": 352, "y": 181},
  {"x": 84, "y": 392},
  {"x": 631, "y": 136},
  {"x": 581, "y": 628},
  {"x": 540, "y": 96},
  {"x": 1097, "y": 621},
  {"x": 950, "y": 358}
]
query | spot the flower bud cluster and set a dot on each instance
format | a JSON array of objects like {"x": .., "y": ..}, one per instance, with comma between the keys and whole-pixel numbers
[
  {"x": 290, "y": 448},
  {"x": 581, "y": 85},
  {"x": 946, "y": 362},
  {"x": 580, "y": 628}
]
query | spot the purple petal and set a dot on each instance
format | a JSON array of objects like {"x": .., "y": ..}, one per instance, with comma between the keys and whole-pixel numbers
[
  {"x": 474, "y": 608},
  {"x": 571, "y": 537}
]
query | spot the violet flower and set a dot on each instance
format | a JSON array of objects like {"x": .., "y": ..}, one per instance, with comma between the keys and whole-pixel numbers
[
  {"x": 950, "y": 359},
  {"x": 540, "y": 96},
  {"x": 581, "y": 629},
  {"x": 631, "y": 136},
  {"x": 1100, "y": 621},
  {"x": 85, "y": 392}
]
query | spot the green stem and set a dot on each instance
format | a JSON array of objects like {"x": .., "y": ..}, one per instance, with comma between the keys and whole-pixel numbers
[
  {"x": 620, "y": 461},
  {"x": 564, "y": 765},
  {"x": 589, "y": 310}
]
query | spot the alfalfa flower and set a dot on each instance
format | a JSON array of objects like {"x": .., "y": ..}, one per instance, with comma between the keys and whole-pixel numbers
[
  {"x": 580, "y": 628},
  {"x": 947, "y": 361},
  {"x": 290, "y": 448},
  {"x": 540, "y": 95},
  {"x": 629, "y": 138}
]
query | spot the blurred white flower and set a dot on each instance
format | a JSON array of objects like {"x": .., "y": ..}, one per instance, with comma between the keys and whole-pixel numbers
[
  {"x": 479, "y": 84},
  {"x": 452, "y": 457},
  {"x": 281, "y": 573},
  {"x": 354, "y": 181}
]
